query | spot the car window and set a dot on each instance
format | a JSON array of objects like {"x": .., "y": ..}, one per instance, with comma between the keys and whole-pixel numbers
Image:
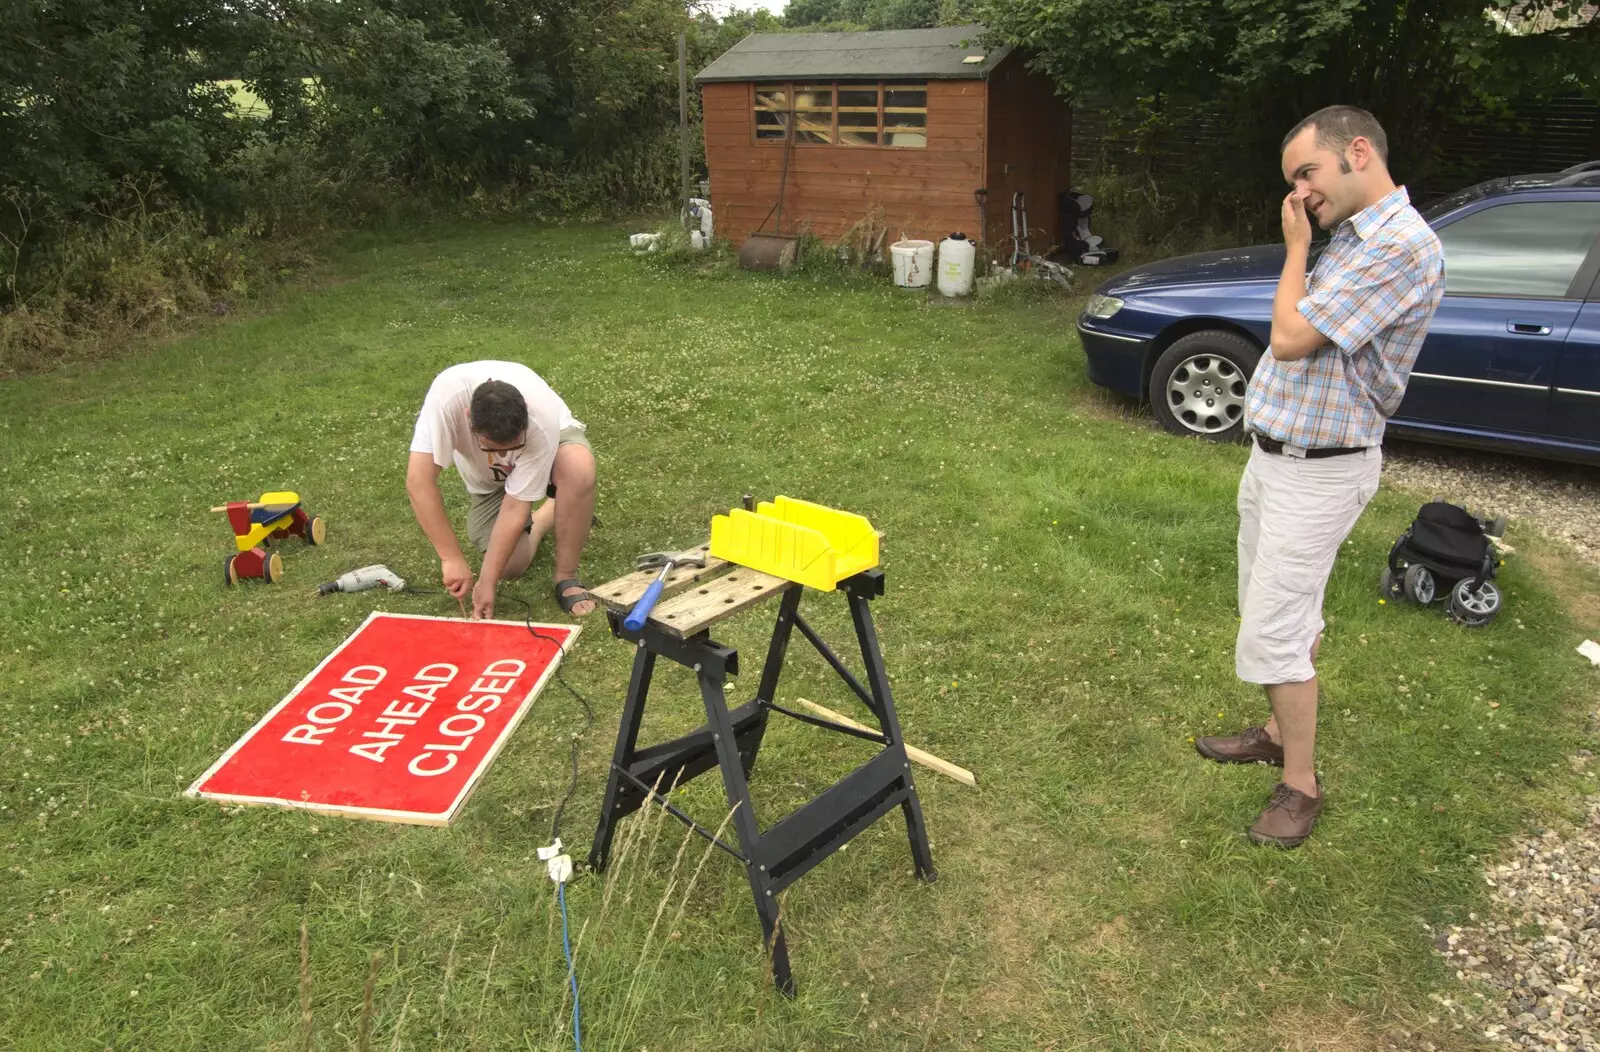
[
  {"x": 1531, "y": 248},
  {"x": 1445, "y": 205}
]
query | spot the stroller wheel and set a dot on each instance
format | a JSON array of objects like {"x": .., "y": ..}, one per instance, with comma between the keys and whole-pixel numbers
[
  {"x": 1473, "y": 608},
  {"x": 1497, "y": 528},
  {"x": 1419, "y": 585},
  {"x": 1390, "y": 586}
]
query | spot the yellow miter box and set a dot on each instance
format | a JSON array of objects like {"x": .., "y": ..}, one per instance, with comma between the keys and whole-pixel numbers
[{"x": 797, "y": 540}]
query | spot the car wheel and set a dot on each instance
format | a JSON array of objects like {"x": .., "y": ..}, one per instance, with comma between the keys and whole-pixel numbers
[{"x": 1197, "y": 386}]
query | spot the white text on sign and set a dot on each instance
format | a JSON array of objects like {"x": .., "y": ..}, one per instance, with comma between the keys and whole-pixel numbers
[{"x": 401, "y": 714}]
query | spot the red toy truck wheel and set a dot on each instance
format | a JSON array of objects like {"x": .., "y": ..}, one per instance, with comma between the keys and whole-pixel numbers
[
  {"x": 273, "y": 571},
  {"x": 316, "y": 530}
]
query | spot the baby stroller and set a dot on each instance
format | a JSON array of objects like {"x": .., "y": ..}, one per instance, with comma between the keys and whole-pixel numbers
[{"x": 1446, "y": 552}]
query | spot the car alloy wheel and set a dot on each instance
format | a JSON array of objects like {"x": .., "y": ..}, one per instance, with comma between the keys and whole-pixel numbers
[
  {"x": 1197, "y": 386},
  {"x": 1206, "y": 393}
]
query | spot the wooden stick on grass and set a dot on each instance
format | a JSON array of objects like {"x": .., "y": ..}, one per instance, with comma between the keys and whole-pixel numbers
[{"x": 926, "y": 759}]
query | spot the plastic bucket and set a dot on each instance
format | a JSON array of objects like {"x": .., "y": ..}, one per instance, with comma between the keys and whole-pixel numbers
[{"x": 913, "y": 263}]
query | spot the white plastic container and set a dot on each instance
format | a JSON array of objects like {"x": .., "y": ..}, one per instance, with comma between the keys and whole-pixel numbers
[
  {"x": 698, "y": 216},
  {"x": 913, "y": 263},
  {"x": 644, "y": 242},
  {"x": 697, "y": 240},
  {"x": 958, "y": 260}
]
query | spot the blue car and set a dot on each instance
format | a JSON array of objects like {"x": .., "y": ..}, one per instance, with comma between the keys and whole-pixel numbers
[{"x": 1512, "y": 361}]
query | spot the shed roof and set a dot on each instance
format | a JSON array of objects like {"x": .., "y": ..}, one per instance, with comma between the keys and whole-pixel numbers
[{"x": 924, "y": 54}]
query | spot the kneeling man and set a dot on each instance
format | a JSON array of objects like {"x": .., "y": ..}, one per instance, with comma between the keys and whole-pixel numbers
[{"x": 515, "y": 443}]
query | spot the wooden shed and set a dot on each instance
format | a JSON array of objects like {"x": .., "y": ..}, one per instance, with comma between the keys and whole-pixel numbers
[{"x": 915, "y": 121}]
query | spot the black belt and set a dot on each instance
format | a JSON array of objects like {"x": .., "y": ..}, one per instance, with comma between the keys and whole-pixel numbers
[{"x": 1272, "y": 445}]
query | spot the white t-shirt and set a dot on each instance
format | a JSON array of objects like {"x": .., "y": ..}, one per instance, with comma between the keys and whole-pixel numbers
[{"x": 444, "y": 430}]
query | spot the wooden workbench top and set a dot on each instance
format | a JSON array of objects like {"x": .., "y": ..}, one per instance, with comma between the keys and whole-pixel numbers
[{"x": 694, "y": 598}]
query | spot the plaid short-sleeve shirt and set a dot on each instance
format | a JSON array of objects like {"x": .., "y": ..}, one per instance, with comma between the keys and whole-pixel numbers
[{"x": 1372, "y": 294}]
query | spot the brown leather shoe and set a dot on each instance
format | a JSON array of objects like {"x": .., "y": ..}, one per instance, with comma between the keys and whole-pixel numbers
[
  {"x": 1289, "y": 817},
  {"x": 1250, "y": 745}
]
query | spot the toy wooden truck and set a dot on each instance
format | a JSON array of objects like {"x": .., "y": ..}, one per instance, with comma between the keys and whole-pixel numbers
[{"x": 255, "y": 525}]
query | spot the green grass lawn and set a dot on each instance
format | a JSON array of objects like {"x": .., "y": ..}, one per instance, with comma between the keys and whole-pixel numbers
[{"x": 1059, "y": 618}]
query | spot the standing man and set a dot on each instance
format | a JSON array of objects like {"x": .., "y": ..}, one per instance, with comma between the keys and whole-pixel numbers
[
  {"x": 1342, "y": 350},
  {"x": 515, "y": 443}
]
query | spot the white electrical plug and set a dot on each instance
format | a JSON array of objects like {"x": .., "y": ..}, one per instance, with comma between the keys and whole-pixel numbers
[{"x": 557, "y": 864}]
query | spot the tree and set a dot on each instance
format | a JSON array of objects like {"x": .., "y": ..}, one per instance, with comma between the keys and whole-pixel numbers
[
  {"x": 875, "y": 14},
  {"x": 1266, "y": 63},
  {"x": 98, "y": 92},
  {"x": 716, "y": 35},
  {"x": 114, "y": 110}
]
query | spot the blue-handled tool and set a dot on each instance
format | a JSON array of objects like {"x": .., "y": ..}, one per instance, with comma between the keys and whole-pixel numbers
[{"x": 667, "y": 561}]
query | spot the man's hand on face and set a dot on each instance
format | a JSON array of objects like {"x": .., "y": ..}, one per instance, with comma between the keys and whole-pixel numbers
[
  {"x": 1296, "y": 221},
  {"x": 483, "y": 599},
  {"x": 457, "y": 577}
]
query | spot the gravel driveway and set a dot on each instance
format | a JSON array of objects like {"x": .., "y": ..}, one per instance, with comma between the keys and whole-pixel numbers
[
  {"x": 1560, "y": 500},
  {"x": 1535, "y": 957}
]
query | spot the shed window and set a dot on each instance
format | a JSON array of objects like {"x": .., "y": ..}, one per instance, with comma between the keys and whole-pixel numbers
[
  {"x": 771, "y": 105},
  {"x": 844, "y": 113},
  {"x": 813, "y": 112}
]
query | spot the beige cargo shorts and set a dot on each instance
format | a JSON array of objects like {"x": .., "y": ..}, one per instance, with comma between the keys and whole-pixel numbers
[
  {"x": 485, "y": 507},
  {"x": 1294, "y": 514}
]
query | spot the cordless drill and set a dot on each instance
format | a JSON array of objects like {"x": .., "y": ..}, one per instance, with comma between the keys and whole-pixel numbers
[{"x": 362, "y": 579}]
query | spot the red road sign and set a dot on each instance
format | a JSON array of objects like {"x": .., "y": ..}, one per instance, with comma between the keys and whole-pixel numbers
[{"x": 397, "y": 724}]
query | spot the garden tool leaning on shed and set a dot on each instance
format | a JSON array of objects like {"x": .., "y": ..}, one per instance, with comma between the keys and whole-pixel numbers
[{"x": 775, "y": 250}]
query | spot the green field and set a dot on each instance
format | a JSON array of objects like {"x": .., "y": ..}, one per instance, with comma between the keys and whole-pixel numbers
[
  {"x": 245, "y": 102},
  {"x": 1059, "y": 618}
]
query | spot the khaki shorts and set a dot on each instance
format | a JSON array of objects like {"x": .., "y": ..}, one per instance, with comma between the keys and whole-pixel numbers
[
  {"x": 486, "y": 506},
  {"x": 1294, "y": 514}
]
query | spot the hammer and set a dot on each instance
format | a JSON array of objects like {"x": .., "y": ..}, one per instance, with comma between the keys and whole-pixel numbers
[{"x": 666, "y": 560}]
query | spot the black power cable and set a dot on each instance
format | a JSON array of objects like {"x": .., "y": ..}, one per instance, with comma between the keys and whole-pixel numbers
[{"x": 588, "y": 713}]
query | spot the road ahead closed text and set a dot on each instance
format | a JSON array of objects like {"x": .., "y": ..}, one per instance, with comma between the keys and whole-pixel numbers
[{"x": 402, "y": 718}]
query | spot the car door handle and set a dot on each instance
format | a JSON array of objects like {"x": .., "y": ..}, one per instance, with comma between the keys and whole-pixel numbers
[{"x": 1527, "y": 328}]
